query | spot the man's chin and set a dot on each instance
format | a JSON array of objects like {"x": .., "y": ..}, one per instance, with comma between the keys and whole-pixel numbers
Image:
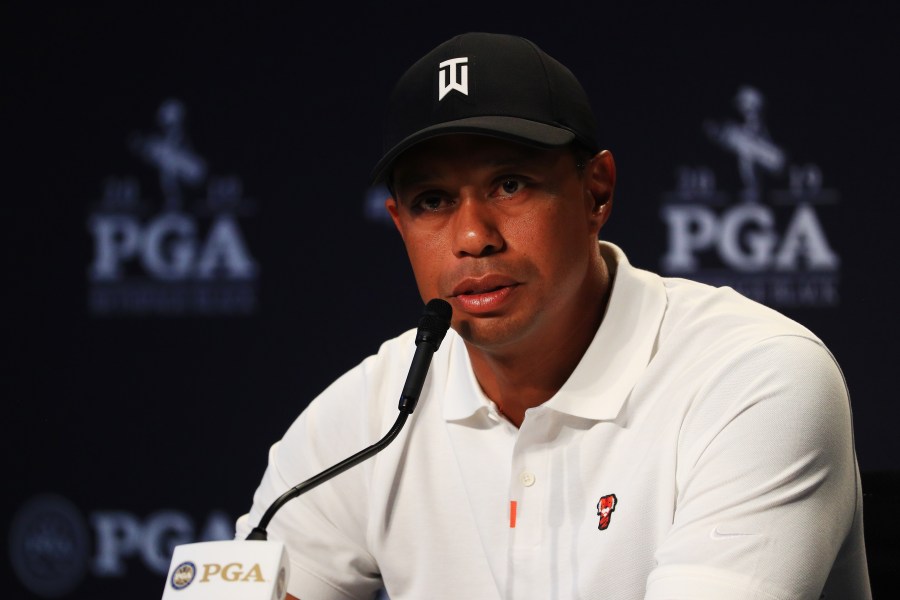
[{"x": 490, "y": 333}]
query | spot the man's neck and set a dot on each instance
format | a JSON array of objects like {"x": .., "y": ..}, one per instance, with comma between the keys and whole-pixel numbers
[{"x": 531, "y": 373}]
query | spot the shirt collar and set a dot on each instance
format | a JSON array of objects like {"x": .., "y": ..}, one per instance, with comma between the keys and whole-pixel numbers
[
  {"x": 463, "y": 396},
  {"x": 612, "y": 364}
]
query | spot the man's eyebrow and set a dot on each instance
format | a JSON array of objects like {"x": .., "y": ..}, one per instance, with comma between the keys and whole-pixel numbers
[
  {"x": 519, "y": 159},
  {"x": 413, "y": 178}
]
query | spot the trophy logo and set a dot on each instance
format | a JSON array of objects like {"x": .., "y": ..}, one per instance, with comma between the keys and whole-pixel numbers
[
  {"x": 749, "y": 141},
  {"x": 171, "y": 153}
]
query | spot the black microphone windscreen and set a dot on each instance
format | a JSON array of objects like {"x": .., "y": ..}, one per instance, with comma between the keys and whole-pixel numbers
[{"x": 434, "y": 323}]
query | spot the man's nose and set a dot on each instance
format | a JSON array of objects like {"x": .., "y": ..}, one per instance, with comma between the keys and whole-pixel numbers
[{"x": 475, "y": 227}]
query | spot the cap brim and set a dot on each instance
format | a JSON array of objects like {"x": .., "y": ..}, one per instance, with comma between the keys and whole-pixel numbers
[{"x": 514, "y": 129}]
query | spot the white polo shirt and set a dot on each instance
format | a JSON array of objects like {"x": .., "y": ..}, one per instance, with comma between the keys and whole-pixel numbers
[{"x": 716, "y": 430}]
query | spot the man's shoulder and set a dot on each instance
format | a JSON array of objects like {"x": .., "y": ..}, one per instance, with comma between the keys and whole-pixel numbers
[
  {"x": 396, "y": 348},
  {"x": 725, "y": 305},
  {"x": 390, "y": 364},
  {"x": 697, "y": 309},
  {"x": 687, "y": 318}
]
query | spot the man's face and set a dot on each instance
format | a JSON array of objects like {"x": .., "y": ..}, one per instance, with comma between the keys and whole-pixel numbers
[{"x": 504, "y": 232}]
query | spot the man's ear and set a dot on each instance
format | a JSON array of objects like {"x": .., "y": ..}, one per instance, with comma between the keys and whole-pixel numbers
[
  {"x": 600, "y": 174},
  {"x": 391, "y": 205}
]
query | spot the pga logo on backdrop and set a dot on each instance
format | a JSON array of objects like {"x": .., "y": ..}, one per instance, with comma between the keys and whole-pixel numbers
[
  {"x": 54, "y": 546},
  {"x": 179, "y": 250},
  {"x": 768, "y": 243}
]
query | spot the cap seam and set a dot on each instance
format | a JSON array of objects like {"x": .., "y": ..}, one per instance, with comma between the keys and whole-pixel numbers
[{"x": 537, "y": 53}]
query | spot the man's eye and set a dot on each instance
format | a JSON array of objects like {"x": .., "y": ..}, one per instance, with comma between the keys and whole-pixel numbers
[
  {"x": 510, "y": 186},
  {"x": 429, "y": 203}
]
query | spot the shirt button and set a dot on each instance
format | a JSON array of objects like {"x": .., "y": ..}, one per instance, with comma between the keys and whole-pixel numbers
[{"x": 527, "y": 478}]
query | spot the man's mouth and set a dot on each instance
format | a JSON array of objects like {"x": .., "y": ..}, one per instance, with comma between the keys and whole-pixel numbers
[
  {"x": 476, "y": 291},
  {"x": 485, "y": 293},
  {"x": 483, "y": 285}
]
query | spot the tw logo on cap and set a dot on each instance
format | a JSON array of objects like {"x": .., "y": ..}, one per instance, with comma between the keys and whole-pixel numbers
[{"x": 453, "y": 74}]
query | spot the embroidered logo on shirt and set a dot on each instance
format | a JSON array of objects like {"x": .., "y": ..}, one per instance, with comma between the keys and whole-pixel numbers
[{"x": 605, "y": 508}]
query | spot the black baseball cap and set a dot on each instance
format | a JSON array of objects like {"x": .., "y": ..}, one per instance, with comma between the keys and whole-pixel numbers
[{"x": 498, "y": 85}]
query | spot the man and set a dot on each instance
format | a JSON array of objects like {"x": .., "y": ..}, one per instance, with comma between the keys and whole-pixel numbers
[{"x": 709, "y": 436}]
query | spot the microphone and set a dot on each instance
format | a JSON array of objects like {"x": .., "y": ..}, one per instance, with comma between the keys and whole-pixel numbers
[
  {"x": 433, "y": 326},
  {"x": 218, "y": 569}
]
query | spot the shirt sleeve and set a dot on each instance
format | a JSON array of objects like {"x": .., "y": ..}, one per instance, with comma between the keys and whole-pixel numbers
[
  {"x": 324, "y": 529},
  {"x": 767, "y": 484}
]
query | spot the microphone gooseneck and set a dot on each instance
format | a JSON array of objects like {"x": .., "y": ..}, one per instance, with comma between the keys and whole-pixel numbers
[{"x": 433, "y": 326}]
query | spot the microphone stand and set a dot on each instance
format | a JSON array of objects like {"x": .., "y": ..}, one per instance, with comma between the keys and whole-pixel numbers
[
  {"x": 433, "y": 326},
  {"x": 259, "y": 532}
]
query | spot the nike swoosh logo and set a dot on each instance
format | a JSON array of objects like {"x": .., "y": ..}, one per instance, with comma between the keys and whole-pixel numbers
[{"x": 722, "y": 535}]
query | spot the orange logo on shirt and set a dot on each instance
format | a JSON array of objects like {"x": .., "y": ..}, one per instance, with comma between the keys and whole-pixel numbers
[{"x": 605, "y": 508}]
